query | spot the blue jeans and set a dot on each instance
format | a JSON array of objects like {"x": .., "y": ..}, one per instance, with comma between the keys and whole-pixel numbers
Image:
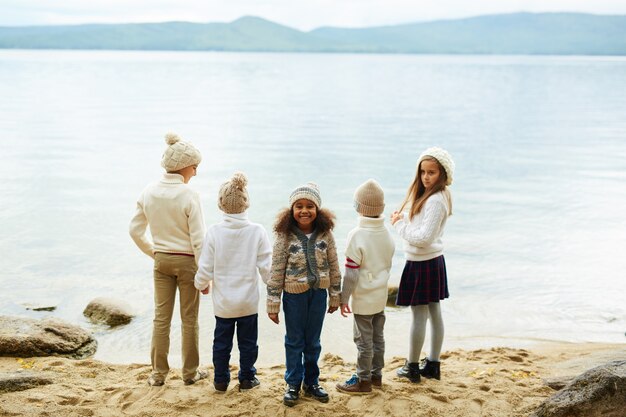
[
  {"x": 304, "y": 316},
  {"x": 247, "y": 334}
]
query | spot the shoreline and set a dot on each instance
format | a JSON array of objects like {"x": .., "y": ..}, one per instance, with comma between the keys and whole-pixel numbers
[{"x": 495, "y": 381}]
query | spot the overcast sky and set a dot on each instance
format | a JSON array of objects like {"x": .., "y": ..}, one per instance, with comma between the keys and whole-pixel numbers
[{"x": 300, "y": 14}]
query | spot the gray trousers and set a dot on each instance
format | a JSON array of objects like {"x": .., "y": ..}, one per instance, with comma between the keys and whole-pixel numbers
[{"x": 370, "y": 342}]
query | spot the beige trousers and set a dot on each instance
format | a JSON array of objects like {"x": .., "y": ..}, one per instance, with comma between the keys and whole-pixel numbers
[{"x": 173, "y": 272}]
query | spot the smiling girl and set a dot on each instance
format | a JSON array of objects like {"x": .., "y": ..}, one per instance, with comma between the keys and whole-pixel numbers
[
  {"x": 305, "y": 270},
  {"x": 424, "y": 280}
]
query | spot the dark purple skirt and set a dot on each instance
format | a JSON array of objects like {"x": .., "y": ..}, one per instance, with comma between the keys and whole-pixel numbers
[{"x": 423, "y": 282}]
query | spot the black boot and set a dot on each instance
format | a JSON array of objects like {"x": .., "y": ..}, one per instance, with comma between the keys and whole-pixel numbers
[
  {"x": 410, "y": 371},
  {"x": 292, "y": 395},
  {"x": 318, "y": 393},
  {"x": 430, "y": 369}
]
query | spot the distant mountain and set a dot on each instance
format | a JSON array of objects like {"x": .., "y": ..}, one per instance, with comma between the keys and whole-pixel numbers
[{"x": 517, "y": 33}]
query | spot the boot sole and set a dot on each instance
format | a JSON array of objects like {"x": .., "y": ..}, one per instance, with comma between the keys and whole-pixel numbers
[{"x": 320, "y": 399}]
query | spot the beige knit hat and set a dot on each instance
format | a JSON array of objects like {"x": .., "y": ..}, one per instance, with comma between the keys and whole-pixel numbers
[
  {"x": 310, "y": 191},
  {"x": 179, "y": 154},
  {"x": 369, "y": 199},
  {"x": 233, "y": 197},
  {"x": 444, "y": 159}
]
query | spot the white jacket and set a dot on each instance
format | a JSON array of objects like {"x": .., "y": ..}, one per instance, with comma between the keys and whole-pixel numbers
[
  {"x": 234, "y": 254},
  {"x": 174, "y": 214}
]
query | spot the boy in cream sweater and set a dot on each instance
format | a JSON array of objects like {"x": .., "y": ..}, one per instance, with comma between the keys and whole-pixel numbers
[
  {"x": 172, "y": 211},
  {"x": 369, "y": 253},
  {"x": 235, "y": 253}
]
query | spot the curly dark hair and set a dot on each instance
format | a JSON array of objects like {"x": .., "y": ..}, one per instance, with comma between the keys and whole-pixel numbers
[{"x": 324, "y": 221}]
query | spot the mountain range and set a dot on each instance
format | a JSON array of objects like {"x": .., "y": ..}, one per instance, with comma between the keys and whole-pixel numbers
[{"x": 516, "y": 33}]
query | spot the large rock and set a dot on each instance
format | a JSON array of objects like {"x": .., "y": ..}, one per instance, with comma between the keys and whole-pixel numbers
[
  {"x": 108, "y": 311},
  {"x": 19, "y": 381},
  {"x": 598, "y": 392},
  {"x": 24, "y": 337}
]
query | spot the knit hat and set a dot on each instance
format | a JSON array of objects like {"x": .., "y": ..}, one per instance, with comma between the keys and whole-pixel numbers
[
  {"x": 233, "y": 197},
  {"x": 444, "y": 159},
  {"x": 369, "y": 199},
  {"x": 310, "y": 191},
  {"x": 179, "y": 154}
]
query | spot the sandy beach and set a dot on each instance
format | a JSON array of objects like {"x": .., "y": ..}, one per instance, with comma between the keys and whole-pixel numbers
[{"x": 498, "y": 382}]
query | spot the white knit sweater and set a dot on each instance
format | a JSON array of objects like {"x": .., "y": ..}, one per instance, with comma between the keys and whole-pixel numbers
[
  {"x": 422, "y": 234},
  {"x": 174, "y": 214},
  {"x": 234, "y": 254}
]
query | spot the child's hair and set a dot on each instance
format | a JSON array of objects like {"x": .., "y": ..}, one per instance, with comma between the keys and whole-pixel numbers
[
  {"x": 285, "y": 222},
  {"x": 417, "y": 193}
]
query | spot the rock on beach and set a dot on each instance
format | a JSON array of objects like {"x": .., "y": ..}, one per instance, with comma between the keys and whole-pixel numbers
[{"x": 108, "y": 311}]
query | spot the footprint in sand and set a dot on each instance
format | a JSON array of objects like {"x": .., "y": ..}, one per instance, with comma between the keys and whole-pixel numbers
[{"x": 485, "y": 388}]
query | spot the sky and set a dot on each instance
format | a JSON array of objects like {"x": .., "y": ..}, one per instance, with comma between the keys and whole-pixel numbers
[{"x": 300, "y": 14}]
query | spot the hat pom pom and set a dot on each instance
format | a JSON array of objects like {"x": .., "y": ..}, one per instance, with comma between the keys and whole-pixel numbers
[
  {"x": 239, "y": 180},
  {"x": 171, "y": 138}
]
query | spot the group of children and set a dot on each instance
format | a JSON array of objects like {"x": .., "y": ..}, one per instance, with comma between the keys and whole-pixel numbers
[{"x": 301, "y": 270}]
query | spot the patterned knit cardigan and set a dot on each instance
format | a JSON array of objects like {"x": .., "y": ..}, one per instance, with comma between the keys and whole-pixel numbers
[{"x": 300, "y": 263}]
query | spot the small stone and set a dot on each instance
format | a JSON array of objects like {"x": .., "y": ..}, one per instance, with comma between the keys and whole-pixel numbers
[
  {"x": 108, "y": 311},
  {"x": 19, "y": 381}
]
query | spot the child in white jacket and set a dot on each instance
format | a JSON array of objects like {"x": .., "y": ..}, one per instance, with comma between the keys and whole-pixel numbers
[{"x": 234, "y": 254}]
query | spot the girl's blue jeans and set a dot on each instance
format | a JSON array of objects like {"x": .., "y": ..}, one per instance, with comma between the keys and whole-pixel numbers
[{"x": 304, "y": 316}]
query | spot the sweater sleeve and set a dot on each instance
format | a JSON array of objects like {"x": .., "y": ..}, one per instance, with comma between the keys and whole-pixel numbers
[
  {"x": 137, "y": 230},
  {"x": 425, "y": 232},
  {"x": 264, "y": 256},
  {"x": 195, "y": 221},
  {"x": 350, "y": 279},
  {"x": 206, "y": 263},
  {"x": 276, "y": 283},
  {"x": 335, "y": 275}
]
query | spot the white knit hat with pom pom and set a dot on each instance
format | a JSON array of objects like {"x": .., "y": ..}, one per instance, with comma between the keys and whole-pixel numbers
[
  {"x": 179, "y": 154},
  {"x": 444, "y": 159},
  {"x": 233, "y": 197}
]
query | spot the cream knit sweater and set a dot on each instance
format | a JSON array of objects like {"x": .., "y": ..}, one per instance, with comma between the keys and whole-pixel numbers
[
  {"x": 422, "y": 234},
  {"x": 174, "y": 214}
]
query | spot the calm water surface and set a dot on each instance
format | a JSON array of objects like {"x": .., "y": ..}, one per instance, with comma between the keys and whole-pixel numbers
[{"x": 535, "y": 249}]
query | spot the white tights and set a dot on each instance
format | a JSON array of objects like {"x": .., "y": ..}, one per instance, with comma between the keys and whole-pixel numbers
[{"x": 421, "y": 314}]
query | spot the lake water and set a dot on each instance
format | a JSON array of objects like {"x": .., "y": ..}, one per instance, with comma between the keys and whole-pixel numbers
[{"x": 535, "y": 248}]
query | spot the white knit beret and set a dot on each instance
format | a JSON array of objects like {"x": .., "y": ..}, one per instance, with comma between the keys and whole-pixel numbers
[
  {"x": 310, "y": 191},
  {"x": 369, "y": 199},
  {"x": 444, "y": 159},
  {"x": 179, "y": 154},
  {"x": 233, "y": 197}
]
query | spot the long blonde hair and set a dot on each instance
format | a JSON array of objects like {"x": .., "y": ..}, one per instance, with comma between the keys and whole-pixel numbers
[{"x": 417, "y": 194}]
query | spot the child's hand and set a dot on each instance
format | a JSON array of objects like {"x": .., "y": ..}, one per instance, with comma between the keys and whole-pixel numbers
[
  {"x": 205, "y": 291},
  {"x": 395, "y": 216},
  {"x": 345, "y": 310},
  {"x": 273, "y": 317},
  {"x": 331, "y": 310}
]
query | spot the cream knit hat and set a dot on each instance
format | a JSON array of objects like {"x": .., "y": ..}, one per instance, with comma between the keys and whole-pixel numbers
[
  {"x": 369, "y": 199},
  {"x": 310, "y": 191},
  {"x": 233, "y": 197},
  {"x": 179, "y": 154},
  {"x": 444, "y": 159}
]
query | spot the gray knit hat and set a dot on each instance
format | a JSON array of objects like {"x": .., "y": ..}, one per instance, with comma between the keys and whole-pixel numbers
[
  {"x": 369, "y": 199},
  {"x": 444, "y": 159},
  {"x": 233, "y": 197},
  {"x": 310, "y": 191},
  {"x": 179, "y": 154}
]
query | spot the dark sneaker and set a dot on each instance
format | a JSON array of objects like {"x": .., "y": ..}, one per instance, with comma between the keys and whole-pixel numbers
[
  {"x": 316, "y": 392},
  {"x": 377, "y": 381},
  {"x": 199, "y": 375},
  {"x": 292, "y": 395},
  {"x": 410, "y": 371},
  {"x": 248, "y": 384},
  {"x": 154, "y": 381},
  {"x": 355, "y": 386},
  {"x": 220, "y": 386},
  {"x": 430, "y": 369}
]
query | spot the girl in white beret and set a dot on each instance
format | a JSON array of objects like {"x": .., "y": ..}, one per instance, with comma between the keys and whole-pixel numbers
[{"x": 424, "y": 280}]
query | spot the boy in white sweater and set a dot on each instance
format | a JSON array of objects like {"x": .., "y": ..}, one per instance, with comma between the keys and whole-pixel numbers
[
  {"x": 173, "y": 212},
  {"x": 234, "y": 254},
  {"x": 369, "y": 253}
]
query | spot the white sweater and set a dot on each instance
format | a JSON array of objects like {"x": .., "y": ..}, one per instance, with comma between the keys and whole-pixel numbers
[
  {"x": 235, "y": 253},
  {"x": 370, "y": 246},
  {"x": 174, "y": 214},
  {"x": 422, "y": 234}
]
